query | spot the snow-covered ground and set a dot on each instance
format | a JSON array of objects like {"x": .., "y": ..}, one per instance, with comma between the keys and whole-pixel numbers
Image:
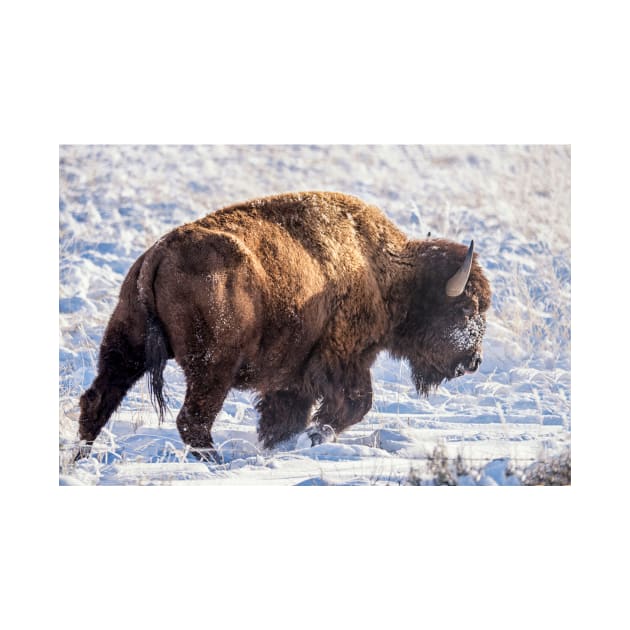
[{"x": 115, "y": 201}]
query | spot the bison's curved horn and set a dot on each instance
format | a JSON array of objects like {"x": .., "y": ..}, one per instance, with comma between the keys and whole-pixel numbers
[{"x": 456, "y": 285}]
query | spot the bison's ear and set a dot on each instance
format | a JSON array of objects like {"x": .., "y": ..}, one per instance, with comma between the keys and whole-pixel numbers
[{"x": 456, "y": 285}]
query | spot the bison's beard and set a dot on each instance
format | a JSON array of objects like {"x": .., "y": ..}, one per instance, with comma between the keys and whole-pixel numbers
[{"x": 426, "y": 379}]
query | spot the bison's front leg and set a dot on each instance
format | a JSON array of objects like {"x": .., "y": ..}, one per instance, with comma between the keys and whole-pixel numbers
[
  {"x": 283, "y": 414},
  {"x": 347, "y": 401}
]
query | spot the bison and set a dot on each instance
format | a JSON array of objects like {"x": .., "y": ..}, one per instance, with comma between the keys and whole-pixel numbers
[{"x": 292, "y": 296}]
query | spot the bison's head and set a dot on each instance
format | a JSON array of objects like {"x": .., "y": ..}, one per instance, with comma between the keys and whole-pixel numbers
[{"x": 445, "y": 319}]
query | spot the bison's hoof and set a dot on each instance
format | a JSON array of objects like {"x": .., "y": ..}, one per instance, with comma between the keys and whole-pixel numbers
[
  {"x": 207, "y": 455},
  {"x": 317, "y": 434},
  {"x": 83, "y": 451}
]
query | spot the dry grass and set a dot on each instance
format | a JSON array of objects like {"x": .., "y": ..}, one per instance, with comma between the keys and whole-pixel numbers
[
  {"x": 440, "y": 470},
  {"x": 552, "y": 471}
]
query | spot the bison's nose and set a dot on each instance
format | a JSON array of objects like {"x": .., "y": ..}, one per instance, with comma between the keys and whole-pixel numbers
[{"x": 475, "y": 363}]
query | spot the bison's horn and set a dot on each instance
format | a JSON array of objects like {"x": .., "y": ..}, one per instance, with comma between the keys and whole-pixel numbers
[{"x": 456, "y": 285}]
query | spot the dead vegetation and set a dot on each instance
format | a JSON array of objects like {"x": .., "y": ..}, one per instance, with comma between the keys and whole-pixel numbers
[{"x": 440, "y": 470}]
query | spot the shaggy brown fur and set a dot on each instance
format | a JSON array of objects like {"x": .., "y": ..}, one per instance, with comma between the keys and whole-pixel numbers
[{"x": 292, "y": 296}]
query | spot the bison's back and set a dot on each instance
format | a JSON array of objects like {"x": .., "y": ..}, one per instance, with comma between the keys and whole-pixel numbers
[{"x": 314, "y": 226}]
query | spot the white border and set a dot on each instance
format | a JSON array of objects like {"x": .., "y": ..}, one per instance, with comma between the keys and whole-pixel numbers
[{"x": 330, "y": 72}]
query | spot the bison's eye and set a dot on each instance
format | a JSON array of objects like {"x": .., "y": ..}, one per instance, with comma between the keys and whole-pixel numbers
[{"x": 467, "y": 312}]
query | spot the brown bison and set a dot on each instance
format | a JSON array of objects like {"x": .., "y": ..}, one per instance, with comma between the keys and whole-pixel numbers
[{"x": 292, "y": 296}]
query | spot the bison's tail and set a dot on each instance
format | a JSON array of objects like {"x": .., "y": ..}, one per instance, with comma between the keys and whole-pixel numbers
[
  {"x": 156, "y": 353},
  {"x": 156, "y": 346}
]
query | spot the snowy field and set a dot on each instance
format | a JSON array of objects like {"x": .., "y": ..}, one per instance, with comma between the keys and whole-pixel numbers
[{"x": 115, "y": 201}]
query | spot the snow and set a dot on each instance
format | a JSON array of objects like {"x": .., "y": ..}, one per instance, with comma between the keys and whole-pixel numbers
[
  {"x": 468, "y": 337},
  {"x": 115, "y": 201}
]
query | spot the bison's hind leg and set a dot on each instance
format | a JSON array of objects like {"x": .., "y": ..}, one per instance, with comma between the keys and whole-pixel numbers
[
  {"x": 120, "y": 365},
  {"x": 207, "y": 387},
  {"x": 283, "y": 414}
]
